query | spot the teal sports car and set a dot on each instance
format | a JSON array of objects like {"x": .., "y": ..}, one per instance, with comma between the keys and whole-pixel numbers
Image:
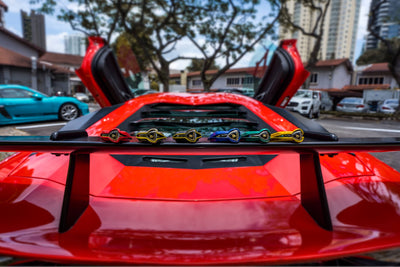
[{"x": 20, "y": 104}]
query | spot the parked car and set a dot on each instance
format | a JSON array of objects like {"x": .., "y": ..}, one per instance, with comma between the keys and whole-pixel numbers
[
  {"x": 389, "y": 106},
  {"x": 138, "y": 92},
  {"x": 60, "y": 93},
  {"x": 352, "y": 104},
  {"x": 20, "y": 104},
  {"x": 247, "y": 91},
  {"x": 82, "y": 97},
  {"x": 326, "y": 101},
  {"x": 232, "y": 90},
  {"x": 306, "y": 102}
]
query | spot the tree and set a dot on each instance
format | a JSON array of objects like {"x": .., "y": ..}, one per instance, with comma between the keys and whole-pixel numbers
[
  {"x": 378, "y": 55},
  {"x": 93, "y": 17},
  {"x": 149, "y": 27},
  {"x": 221, "y": 29},
  {"x": 317, "y": 9},
  {"x": 125, "y": 40},
  {"x": 197, "y": 64},
  {"x": 228, "y": 30},
  {"x": 153, "y": 26},
  {"x": 392, "y": 46}
]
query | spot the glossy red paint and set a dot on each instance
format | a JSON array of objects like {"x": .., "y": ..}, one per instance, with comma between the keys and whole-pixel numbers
[
  {"x": 85, "y": 71},
  {"x": 225, "y": 215},
  {"x": 300, "y": 76},
  {"x": 113, "y": 119},
  {"x": 176, "y": 216}
]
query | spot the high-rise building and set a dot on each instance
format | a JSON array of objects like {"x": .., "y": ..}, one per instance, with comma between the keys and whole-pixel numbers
[
  {"x": 385, "y": 23},
  {"x": 3, "y": 9},
  {"x": 339, "y": 32},
  {"x": 75, "y": 45},
  {"x": 33, "y": 28}
]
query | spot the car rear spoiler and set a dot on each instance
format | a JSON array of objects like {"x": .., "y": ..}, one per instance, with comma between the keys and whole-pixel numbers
[{"x": 76, "y": 194}]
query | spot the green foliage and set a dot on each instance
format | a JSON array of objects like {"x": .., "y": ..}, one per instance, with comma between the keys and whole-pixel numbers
[
  {"x": 197, "y": 64},
  {"x": 154, "y": 81},
  {"x": 378, "y": 55},
  {"x": 219, "y": 29},
  {"x": 124, "y": 39}
]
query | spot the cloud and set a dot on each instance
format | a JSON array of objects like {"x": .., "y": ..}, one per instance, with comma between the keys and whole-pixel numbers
[
  {"x": 54, "y": 26},
  {"x": 14, "y": 30},
  {"x": 55, "y": 42},
  {"x": 363, "y": 19},
  {"x": 14, "y": 6}
]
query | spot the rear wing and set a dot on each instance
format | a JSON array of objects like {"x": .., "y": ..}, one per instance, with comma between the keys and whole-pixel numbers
[{"x": 76, "y": 194}]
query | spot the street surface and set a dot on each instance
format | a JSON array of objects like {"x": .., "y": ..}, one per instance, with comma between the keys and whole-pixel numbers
[{"x": 366, "y": 128}]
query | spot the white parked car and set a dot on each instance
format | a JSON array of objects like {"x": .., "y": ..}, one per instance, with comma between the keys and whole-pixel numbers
[
  {"x": 306, "y": 102},
  {"x": 389, "y": 106}
]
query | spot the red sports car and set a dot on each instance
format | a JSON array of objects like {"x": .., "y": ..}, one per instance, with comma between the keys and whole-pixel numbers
[{"x": 195, "y": 179}]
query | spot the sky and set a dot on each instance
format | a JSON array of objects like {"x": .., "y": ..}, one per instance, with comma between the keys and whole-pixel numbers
[{"x": 56, "y": 30}]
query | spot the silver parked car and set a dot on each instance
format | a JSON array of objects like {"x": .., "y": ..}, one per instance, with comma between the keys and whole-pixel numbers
[
  {"x": 82, "y": 97},
  {"x": 352, "y": 104},
  {"x": 389, "y": 106}
]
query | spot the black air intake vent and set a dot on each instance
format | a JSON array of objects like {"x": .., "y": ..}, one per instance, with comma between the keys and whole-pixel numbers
[{"x": 193, "y": 162}]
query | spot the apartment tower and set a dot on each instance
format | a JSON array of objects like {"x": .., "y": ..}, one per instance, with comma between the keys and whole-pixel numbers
[
  {"x": 339, "y": 29},
  {"x": 386, "y": 22},
  {"x": 33, "y": 28},
  {"x": 75, "y": 45}
]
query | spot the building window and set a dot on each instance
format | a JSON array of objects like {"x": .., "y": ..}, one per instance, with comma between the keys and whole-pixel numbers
[
  {"x": 248, "y": 80},
  {"x": 196, "y": 82},
  {"x": 314, "y": 78},
  {"x": 233, "y": 81},
  {"x": 371, "y": 80}
]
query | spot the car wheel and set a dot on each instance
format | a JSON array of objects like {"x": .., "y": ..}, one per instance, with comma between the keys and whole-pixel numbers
[
  {"x": 310, "y": 114},
  {"x": 316, "y": 115},
  {"x": 68, "y": 112}
]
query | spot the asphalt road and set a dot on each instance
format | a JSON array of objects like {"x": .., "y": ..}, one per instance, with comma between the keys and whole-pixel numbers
[{"x": 360, "y": 128}]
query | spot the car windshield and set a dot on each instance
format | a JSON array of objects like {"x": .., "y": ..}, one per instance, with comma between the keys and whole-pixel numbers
[
  {"x": 304, "y": 94},
  {"x": 392, "y": 102},
  {"x": 40, "y": 93},
  {"x": 352, "y": 100}
]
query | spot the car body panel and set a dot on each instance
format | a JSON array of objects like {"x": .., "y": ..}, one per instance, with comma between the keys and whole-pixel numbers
[
  {"x": 284, "y": 75},
  {"x": 389, "y": 106},
  {"x": 82, "y": 97},
  {"x": 255, "y": 220},
  {"x": 305, "y": 102},
  {"x": 76, "y": 199},
  {"x": 352, "y": 104},
  {"x": 100, "y": 73},
  {"x": 35, "y": 107}
]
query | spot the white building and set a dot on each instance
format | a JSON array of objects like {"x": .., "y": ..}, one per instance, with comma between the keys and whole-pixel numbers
[
  {"x": 75, "y": 45},
  {"x": 340, "y": 29}
]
